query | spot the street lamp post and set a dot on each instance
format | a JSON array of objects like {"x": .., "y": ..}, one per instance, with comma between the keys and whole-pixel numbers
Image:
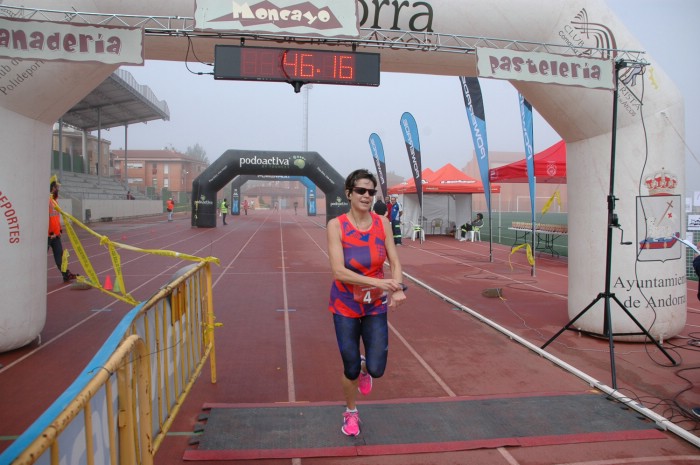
[{"x": 184, "y": 180}]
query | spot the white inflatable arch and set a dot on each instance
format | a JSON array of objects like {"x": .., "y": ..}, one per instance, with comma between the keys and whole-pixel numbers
[{"x": 34, "y": 95}]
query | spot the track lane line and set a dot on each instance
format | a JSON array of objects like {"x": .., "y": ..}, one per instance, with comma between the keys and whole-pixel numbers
[
  {"x": 404, "y": 341},
  {"x": 291, "y": 388},
  {"x": 635, "y": 460}
]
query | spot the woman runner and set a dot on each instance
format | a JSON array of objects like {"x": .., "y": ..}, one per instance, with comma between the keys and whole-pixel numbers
[{"x": 360, "y": 295}]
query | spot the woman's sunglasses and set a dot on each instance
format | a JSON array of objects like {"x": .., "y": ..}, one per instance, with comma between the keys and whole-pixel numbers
[{"x": 364, "y": 190}]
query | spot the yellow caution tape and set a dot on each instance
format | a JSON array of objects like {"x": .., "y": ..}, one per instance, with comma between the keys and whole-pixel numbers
[
  {"x": 79, "y": 250},
  {"x": 547, "y": 206},
  {"x": 123, "y": 297},
  {"x": 530, "y": 257},
  {"x": 117, "y": 265},
  {"x": 92, "y": 278},
  {"x": 64, "y": 260},
  {"x": 528, "y": 251}
]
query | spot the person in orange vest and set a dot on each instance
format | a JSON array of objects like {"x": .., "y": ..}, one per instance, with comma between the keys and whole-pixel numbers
[
  {"x": 170, "y": 206},
  {"x": 55, "y": 231}
]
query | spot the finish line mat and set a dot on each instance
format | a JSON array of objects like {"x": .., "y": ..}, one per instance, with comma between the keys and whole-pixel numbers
[{"x": 267, "y": 431}]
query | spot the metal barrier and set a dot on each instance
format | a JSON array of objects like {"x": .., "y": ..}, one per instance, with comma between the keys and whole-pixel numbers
[{"x": 120, "y": 407}]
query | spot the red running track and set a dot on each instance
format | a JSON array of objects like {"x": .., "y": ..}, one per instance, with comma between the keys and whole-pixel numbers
[{"x": 277, "y": 342}]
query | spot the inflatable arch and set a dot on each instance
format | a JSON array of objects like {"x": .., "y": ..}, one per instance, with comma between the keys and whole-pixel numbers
[
  {"x": 253, "y": 162},
  {"x": 35, "y": 94},
  {"x": 238, "y": 181}
]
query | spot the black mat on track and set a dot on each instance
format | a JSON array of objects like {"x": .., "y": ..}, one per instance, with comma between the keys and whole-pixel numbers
[{"x": 237, "y": 432}]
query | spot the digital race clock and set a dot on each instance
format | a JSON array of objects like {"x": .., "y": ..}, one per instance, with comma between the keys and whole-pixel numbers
[{"x": 296, "y": 66}]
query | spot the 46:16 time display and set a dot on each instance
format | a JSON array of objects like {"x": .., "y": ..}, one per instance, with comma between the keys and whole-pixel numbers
[
  {"x": 296, "y": 65},
  {"x": 305, "y": 65}
]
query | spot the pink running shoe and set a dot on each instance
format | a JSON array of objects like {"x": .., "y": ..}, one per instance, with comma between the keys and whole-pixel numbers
[
  {"x": 351, "y": 424},
  {"x": 365, "y": 384}
]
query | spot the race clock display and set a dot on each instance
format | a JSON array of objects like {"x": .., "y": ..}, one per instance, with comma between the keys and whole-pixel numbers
[{"x": 296, "y": 66}]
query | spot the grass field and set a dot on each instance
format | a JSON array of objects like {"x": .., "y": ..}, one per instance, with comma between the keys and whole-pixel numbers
[
  {"x": 502, "y": 235},
  {"x": 501, "y": 221}
]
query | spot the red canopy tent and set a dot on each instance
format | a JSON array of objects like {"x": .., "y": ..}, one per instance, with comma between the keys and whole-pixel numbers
[
  {"x": 550, "y": 167},
  {"x": 446, "y": 180}
]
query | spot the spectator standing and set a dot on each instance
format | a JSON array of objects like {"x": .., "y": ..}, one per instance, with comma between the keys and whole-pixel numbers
[
  {"x": 223, "y": 208},
  {"x": 55, "y": 231},
  {"x": 170, "y": 206},
  {"x": 395, "y": 214}
]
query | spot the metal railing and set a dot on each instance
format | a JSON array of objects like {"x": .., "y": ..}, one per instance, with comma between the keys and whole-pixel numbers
[
  {"x": 86, "y": 193},
  {"x": 184, "y": 26},
  {"x": 120, "y": 407}
]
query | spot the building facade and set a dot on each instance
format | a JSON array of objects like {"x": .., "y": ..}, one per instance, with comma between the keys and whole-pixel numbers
[
  {"x": 151, "y": 171},
  {"x": 82, "y": 152}
]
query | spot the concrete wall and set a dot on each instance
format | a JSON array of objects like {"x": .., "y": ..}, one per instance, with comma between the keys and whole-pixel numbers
[{"x": 110, "y": 208}]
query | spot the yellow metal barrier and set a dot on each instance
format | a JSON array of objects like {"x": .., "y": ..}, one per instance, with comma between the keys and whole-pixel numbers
[{"x": 119, "y": 409}]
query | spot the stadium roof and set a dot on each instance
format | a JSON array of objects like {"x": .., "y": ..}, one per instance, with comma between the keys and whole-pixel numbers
[{"x": 118, "y": 101}]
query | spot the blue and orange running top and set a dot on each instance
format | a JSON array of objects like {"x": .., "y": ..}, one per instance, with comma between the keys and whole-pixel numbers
[{"x": 365, "y": 254}]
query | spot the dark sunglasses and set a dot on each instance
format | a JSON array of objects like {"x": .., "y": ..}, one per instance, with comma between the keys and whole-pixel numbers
[{"x": 364, "y": 190}]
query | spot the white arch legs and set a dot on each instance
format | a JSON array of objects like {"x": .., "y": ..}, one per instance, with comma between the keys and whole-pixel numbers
[
  {"x": 654, "y": 292},
  {"x": 24, "y": 193}
]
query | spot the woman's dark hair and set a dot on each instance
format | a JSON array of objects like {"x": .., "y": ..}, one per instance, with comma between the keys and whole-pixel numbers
[
  {"x": 356, "y": 176},
  {"x": 480, "y": 216}
]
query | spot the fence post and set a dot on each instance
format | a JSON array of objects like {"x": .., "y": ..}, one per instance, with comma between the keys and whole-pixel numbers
[{"x": 210, "y": 322}]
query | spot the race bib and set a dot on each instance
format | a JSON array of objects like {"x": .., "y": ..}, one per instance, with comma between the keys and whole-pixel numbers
[{"x": 366, "y": 294}]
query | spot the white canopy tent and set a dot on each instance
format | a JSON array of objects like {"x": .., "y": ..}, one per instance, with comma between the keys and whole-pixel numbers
[
  {"x": 442, "y": 213},
  {"x": 447, "y": 200}
]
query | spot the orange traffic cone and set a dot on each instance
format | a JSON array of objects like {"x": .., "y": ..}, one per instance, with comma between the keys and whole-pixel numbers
[{"x": 108, "y": 283}]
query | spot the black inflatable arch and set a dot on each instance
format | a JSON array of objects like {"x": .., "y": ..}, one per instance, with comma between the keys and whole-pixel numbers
[{"x": 246, "y": 162}]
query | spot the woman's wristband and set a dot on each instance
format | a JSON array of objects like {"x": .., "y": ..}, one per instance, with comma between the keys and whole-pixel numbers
[{"x": 403, "y": 286}]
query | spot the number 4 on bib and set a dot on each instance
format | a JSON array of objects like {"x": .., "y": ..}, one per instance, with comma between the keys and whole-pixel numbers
[{"x": 367, "y": 294}]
